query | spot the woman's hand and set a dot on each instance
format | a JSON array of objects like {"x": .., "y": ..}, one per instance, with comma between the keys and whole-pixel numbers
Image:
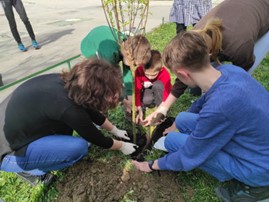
[
  {"x": 120, "y": 133},
  {"x": 128, "y": 148},
  {"x": 156, "y": 117}
]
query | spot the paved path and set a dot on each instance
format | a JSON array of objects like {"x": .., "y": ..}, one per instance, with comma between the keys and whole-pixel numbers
[{"x": 59, "y": 27}]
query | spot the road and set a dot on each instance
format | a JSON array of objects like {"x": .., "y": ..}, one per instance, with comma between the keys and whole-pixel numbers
[{"x": 59, "y": 27}]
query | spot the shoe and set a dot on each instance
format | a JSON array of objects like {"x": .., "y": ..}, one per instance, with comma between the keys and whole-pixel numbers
[
  {"x": 35, "y": 44},
  {"x": 34, "y": 180},
  {"x": 239, "y": 192},
  {"x": 22, "y": 47}
]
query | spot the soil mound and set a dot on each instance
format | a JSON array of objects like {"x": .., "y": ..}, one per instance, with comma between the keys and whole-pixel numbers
[{"x": 94, "y": 181}]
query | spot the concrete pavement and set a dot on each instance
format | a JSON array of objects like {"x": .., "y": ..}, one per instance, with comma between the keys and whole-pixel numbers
[{"x": 59, "y": 27}]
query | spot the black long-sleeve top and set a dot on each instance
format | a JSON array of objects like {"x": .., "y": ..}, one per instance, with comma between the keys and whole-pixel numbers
[{"x": 41, "y": 107}]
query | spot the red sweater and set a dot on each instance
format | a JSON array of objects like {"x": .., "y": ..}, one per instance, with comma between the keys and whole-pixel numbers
[{"x": 140, "y": 78}]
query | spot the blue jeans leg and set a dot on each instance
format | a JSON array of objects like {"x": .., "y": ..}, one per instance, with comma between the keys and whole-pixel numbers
[
  {"x": 186, "y": 122},
  {"x": 49, "y": 153}
]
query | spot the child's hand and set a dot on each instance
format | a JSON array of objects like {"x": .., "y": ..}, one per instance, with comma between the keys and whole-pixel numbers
[
  {"x": 160, "y": 116},
  {"x": 170, "y": 129},
  {"x": 156, "y": 117},
  {"x": 147, "y": 121},
  {"x": 128, "y": 105},
  {"x": 139, "y": 117}
]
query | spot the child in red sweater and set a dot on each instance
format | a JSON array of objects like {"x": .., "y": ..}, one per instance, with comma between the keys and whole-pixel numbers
[{"x": 152, "y": 84}]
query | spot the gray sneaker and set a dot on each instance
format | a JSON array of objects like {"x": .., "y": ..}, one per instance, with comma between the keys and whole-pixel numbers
[
  {"x": 239, "y": 192},
  {"x": 45, "y": 179}
]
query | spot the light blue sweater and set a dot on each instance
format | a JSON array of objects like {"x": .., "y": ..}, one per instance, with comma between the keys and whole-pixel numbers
[{"x": 234, "y": 118}]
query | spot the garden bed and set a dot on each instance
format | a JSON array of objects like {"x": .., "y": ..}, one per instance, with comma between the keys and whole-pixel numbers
[{"x": 99, "y": 180}]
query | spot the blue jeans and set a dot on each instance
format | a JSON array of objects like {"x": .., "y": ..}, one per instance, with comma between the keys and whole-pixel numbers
[
  {"x": 261, "y": 48},
  {"x": 52, "y": 152},
  {"x": 220, "y": 165}
]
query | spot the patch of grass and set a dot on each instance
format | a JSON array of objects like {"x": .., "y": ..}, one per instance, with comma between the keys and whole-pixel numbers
[
  {"x": 197, "y": 186},
  {"x": 14, "y": 189},
  {"x": 160, "y": 36},
  {"x": 262, "y": 72}
]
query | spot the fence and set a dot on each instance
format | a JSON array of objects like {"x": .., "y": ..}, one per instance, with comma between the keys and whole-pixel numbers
[{"x": 68, "y": 61}]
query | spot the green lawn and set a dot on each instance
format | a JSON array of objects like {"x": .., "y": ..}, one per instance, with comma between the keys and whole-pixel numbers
[{"x": 13, "y": 189}]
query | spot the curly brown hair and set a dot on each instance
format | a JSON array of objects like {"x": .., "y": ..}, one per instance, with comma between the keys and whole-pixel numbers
[{"x": 94, "y": 83}]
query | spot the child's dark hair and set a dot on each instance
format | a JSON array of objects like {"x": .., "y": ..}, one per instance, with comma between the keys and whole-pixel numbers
[{"x": 155, "y": 61}]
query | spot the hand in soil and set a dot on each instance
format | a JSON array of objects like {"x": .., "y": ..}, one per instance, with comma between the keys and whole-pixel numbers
[
  {"x": 120, "y": 133},
  {"x": 128, "y": 148},
  {"x": 142, "y": 166},
  {"x": 139, "y": 116},
  {"x": 170, "y": 129}
]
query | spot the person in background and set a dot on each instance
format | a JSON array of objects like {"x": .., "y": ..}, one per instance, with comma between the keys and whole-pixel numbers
[
  {"x": 38, "y": 119},
  {"x": 102, "y": 42},
  {"x": 241, "y": 38},
  {"x": 188, "y": 12},
  {"x": 225, "y": 132},
  {"x": 152, "y": 84},
  {"x": 8, "y": 9}
]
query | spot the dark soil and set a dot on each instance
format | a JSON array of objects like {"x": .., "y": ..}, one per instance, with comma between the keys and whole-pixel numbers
[
  {"x": 107, "y": 180},
  {"x": 94, "y": 181}
]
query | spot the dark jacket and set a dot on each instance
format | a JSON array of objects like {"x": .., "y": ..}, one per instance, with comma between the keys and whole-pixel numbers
[
  {"x": 244, "y": 22},
  {"x": 41, "y": 107}
]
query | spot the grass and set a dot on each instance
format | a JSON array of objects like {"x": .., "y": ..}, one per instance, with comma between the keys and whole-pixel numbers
[{"x": 196, "y": 185}]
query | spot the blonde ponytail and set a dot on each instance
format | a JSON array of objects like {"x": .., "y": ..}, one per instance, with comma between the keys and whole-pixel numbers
[{"x": 212, "y": 34}]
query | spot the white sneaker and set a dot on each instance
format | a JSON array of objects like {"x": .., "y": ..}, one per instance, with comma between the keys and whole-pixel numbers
[{"x": 160, "y": 144}]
